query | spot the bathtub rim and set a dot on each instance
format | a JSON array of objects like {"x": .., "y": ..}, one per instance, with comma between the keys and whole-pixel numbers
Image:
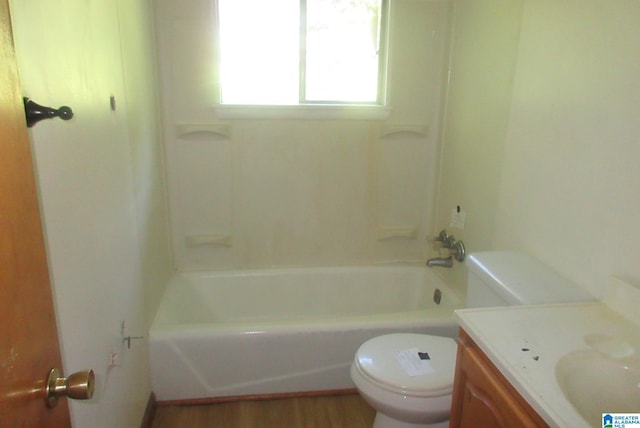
[{"x": 443, "y": 313}]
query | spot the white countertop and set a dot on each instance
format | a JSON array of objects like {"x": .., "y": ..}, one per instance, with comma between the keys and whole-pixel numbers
[{"x": 526, "y": 342}]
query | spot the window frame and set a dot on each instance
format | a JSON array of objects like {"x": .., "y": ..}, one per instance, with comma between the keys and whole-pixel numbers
[{"x": 325, "y": 109}]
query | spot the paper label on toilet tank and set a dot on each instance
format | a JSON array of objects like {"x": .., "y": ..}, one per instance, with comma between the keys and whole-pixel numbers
[{"x": 412, "y": 364}]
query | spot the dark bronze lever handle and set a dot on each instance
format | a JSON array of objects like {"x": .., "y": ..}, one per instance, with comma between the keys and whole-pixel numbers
[{"x": 36, "y": 112}]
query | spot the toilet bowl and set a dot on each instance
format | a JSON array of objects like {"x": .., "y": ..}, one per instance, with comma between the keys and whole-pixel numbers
[
  {"x": 406, "y": 398},
  {"x": 406, "y": 391}
]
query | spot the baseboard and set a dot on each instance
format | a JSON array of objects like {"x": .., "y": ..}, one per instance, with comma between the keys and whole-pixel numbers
[
  {"x": 149, "y": 411},
  {"x": 213, "y": 400}
]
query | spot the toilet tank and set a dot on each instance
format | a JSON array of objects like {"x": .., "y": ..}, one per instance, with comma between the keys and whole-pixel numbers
[{"x": 506, "y": 278}]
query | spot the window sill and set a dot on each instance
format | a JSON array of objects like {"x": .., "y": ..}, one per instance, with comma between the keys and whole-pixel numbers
[{"x": 309, "y": 112}]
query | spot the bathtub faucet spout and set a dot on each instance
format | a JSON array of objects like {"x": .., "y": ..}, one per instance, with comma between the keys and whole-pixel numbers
[
  {"x": 455, "y": 251},
  {"x": 441, "y": 262}
]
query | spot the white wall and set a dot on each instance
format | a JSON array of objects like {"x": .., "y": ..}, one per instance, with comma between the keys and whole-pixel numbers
[
  {"x": 484, "y": 47},
  {"x": 100, "y": 189},
  {"x": 558, "y": 177},
  {"x": 570, "y": 179},
  {"x": 300, "y": 192},
  {"x": 137, "y": 35}
]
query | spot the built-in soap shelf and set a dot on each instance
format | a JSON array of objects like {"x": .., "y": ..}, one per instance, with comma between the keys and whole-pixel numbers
[
  {"x": 220, "y": 129},
  {"x": 209, "y": 239},
  {"x": 419, "y": 129},
  {"x": 385, "y": 233}
]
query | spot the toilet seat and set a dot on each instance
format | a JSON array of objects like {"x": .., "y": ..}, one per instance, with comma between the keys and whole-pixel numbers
[{"x": 377, "y": 362}]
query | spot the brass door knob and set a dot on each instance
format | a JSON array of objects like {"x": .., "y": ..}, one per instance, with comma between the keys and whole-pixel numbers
[{"x": 79, "y": 386}]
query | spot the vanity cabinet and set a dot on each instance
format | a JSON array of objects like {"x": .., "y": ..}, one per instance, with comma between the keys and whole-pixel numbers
[{"x": 482, "y": 396}]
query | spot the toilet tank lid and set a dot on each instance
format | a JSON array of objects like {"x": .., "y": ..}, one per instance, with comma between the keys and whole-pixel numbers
[{"x": 523, "y": 280}]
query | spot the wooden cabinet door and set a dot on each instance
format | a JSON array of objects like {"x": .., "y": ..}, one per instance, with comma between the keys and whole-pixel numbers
[{"x": 482, "y": 397}]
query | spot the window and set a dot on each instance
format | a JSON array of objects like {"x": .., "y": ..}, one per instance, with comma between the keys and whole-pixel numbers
[{"x": 291, "y": 52}]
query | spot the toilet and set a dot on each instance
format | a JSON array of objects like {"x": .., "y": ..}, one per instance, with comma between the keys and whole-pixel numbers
[{"x": 410, "y": 394}]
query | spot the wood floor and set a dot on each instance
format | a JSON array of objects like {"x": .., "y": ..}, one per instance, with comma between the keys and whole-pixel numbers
[{"x": 334, "y": 411}]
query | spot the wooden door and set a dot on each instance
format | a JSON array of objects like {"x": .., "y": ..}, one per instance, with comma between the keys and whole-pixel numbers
[{"x": 28, "y": 336}]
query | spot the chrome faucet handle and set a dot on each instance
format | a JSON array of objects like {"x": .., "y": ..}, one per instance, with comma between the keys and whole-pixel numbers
[
  {"x": 458, "y": 251},
  {"x": 442, "y": 236},
  {"x": 450, "y": 243},
  {"x": 444, "y": 239}
]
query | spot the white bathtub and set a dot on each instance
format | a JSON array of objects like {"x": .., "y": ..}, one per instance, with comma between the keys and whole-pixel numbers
[{"x": 284, "y": 330}]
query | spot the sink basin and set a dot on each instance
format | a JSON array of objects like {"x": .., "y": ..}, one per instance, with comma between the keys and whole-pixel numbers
[{"x": 595, "y": 383}]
